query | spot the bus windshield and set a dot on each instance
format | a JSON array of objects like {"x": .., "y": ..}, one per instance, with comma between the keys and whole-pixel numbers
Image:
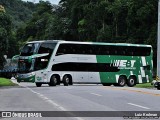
[
  {"x": 25, "y": 66},
  {"x": 29, "y": 49},
  {"x": 40, "y": 57}
]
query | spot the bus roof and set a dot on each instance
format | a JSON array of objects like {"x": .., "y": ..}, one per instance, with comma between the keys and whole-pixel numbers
[
  {"x": 103, "y": 43},
  {"x": 97, "y": 43},
  {"x": 41, "y": 41}
]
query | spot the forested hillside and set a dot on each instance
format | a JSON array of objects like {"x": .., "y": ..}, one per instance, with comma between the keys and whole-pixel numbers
[
  {"x": 19, "y": 11},
  {"x": 127, "y": 21}
]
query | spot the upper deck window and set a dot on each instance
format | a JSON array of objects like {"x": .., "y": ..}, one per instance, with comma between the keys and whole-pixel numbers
[
  {"x": 93, "y": 49},
  {"x": 42, "y": 62},
  {"x": 29, "y": 49},
  {"x": 46, "y": 48}
]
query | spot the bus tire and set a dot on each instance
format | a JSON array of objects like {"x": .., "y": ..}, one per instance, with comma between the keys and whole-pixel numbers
[
  {"x": 122, "y": 81},
  {"x": 106, "y": 84},
  {"x": 58, "y": 82},
  {"x": 70, "y": 81},
  {"x": 53, "y": 81},
  {"x": 38, "y": 84},
  {"x": 66, "y": 80},
  {"x": 131, "y": 81},
  {"x": 158, "y": 88}
]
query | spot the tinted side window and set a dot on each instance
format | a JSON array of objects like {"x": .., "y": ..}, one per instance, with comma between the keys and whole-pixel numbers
[
  {"x": 46, "y": 48},
  {"x": 138, "y": 51},
  {"x": 63, "y": 49},
  {"x": 42, "y": 62},
  {"x": 29, "y": 49},
  {"x": 120, "y": 50},
  {"x": 73, "y": 49},
  {"x": 85, "y": 67},
  {"x": 103, "y": 50}
]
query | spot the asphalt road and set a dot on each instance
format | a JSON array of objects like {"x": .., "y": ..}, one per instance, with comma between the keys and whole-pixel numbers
[{"x": 78, "y": 97}]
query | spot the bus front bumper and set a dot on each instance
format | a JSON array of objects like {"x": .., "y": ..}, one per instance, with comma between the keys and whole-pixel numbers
[{"x": 29, "y": 77}]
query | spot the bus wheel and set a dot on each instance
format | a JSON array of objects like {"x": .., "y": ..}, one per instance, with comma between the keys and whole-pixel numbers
[
  {"x": 66, "y": 80},
  {"x": 53, "y": 81},
  {"x": 158, "y": 88},
  {"x": 131, "y": 81},
  {"x": 58, "y": 82},
  {"x": 38, "y": 84},
  {"x": 121, "y": 81}
]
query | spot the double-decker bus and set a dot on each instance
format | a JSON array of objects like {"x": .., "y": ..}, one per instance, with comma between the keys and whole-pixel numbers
[{"x": 56, "y": 61}]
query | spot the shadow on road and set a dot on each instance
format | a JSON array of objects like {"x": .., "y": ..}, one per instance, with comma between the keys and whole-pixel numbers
[{"x": 10, "y": 87}]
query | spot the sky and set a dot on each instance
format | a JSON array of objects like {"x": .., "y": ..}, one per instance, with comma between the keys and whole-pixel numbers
[{"x": 51, "y": 1}]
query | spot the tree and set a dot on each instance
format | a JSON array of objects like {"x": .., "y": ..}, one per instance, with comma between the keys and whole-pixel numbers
[
  {"x": 36, "y": 27},
  {"x": 5, "y": 32}
]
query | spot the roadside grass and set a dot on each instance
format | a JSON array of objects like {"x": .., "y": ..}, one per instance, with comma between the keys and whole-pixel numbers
[
  {"x": 6, "y": 82},
  {"x": 144, "y": 85}
]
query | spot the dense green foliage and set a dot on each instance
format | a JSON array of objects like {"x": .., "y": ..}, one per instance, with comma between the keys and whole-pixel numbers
[
  {"x": 130, "y": 21},
  {"x": 13, "y": 15},
  {"x": 19, "y": 11},
  {"x": 5, "y": 34}
]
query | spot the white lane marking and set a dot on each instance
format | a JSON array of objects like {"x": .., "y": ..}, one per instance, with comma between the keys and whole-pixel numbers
[
  {"x": 138, "y": 106},
  {"x": 44, "y": 98},
  {"x": 55, "y": 104},
  {"x": 50, "y": 101},
  {"x": 47, "y": 99},
  {"x": 96, "y": 94}
]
